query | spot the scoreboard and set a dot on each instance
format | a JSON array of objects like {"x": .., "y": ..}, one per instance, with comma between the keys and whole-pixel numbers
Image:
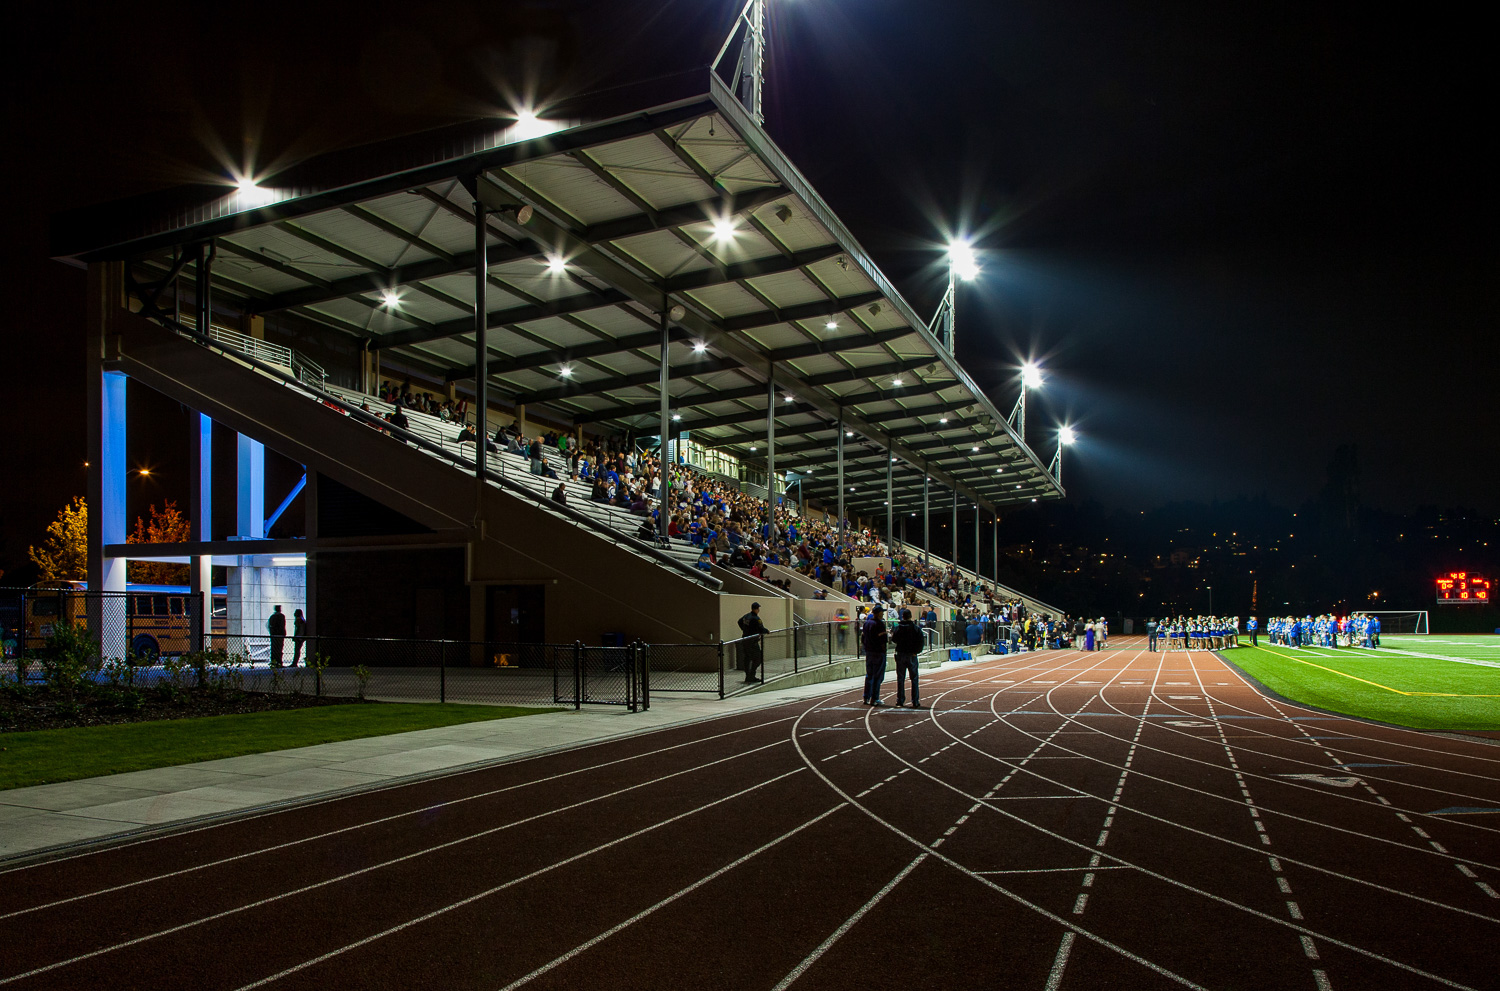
[{"x": 1460, "y": 588}]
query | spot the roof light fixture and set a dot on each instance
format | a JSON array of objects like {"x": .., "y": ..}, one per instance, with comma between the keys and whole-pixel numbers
[
  {"x": 896, "y": 381},
  {"x": 566, "y": 371},
  {"x": 556, "y": 264},
  {"x": 676, "y": 416},
  {"x": 831, "y": 325},
  {"x": 390, "y": 298},
  {"x": 699, "y": 347},
  {"x": 724, "y": 229}
]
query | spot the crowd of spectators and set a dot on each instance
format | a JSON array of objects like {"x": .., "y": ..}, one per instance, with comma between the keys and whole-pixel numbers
[{"x": 728, "y": 525}]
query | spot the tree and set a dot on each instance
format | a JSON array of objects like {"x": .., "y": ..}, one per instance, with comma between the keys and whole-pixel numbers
[
  {"x": 165, "y": 526},
  {"x": 63, "y": 556}
]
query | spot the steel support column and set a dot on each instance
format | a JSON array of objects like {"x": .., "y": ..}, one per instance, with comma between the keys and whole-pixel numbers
[
  {"x": 926, "y": 515},
  {"x": 976, "y": 540},
  {"x": 995, "y": 533},
  {"x": 250, "y": 489},
  {"x": 841, "y": 476},
  {"x": 953, "y": 542},
  {"x": 890, "y": 509},
  {"x": 771, "y": 441},
  {"x": 665, "y": 422},
  {"x": 481, "y": 345}
]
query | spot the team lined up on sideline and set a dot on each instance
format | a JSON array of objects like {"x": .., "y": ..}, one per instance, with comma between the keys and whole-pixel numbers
[{"x": 1327, "y": 630}]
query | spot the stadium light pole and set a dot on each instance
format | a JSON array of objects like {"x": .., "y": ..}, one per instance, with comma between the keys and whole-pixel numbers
[
  {"x": 963, "y": 265},
  {"x": 1031, "y": 378},
  {"x": 1065, "y": 437},
  {"x": 749, "y": 68}
]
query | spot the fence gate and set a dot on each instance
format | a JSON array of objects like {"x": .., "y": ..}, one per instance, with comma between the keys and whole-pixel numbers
[{"x": 601, "y": 676}]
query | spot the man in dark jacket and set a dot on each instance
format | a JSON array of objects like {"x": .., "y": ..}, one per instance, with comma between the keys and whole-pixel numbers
[
  {"x": 1151, "y": 633},
  {"x": 276, "y": 626},
  {"x": 750, "y": 650},
  {"x": 874, "y": 638},
  {"x": 908, "y": 642}
]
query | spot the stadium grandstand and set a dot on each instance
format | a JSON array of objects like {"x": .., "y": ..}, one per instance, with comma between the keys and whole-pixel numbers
[{"x": 498, "y": 347}]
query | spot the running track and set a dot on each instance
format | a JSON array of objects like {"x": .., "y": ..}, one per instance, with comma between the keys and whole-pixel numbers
[{"x": 1053, "y": 820}]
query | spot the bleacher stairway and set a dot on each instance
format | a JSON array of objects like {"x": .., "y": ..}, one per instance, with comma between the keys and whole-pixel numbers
[{"x": 599, "y": 575}]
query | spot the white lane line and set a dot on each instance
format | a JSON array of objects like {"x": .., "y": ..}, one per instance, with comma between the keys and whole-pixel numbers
[
  {"x": 590, "y": 944},
  {"x": 1083, "y": 899},
  {"x": 848, "y": 924},
  {"x": 1059, "y": 962},
  {"x": 387, "y": 863},
  {"x": 1309, "y": 947},
  {"x": 362, "y": 825},
  {"x": 1321, "y": 977},
  {"x": 1146, "y": 871}
]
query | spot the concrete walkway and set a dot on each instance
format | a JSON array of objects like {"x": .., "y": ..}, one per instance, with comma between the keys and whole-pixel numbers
[{"x": 47, "y": 818}]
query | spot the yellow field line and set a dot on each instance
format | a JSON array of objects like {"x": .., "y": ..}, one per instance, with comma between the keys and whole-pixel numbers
[{"x": 1350, "y": 676}]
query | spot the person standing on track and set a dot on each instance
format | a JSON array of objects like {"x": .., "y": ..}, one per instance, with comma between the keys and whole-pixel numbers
[
  {"x": 874, "y": 637},
  {"x": 1252, "y": 626},
  {"x": 752, "y": 626},
  {"x": 1151, "y": 634},
  {"x": 907, "y": 640}
]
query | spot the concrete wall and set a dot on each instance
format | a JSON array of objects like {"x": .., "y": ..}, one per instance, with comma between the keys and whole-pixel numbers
[
  {"x": 777, "y": 614},
  {"x": 253, "y": 591}
]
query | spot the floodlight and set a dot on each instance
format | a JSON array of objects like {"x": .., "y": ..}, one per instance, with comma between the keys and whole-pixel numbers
[
  {"x": 942, "y": 419},
  {"x": 556, "y": 264},
  {"x": 962, "y": 261},
  {"x": 1031, "y": 375},
  {"x": 752, "y": 448},
  {"x": 528, "y": 125},
  {"x": 724, "y": 229},
  {"x": 786, "y": 399},
  {"x": 699, "y": 347},
  {"x": 976, "y": 447},
  {"x": 566, "y": 371},
  {"x": 896, "y": 381},
  {"x": 1066, "y": 435},
  {"x": 390, "y": 298},
  {"x": 849, "y": 433},
  {"x": 676, "y": 416},
  {"x": 831, "y": 325}
]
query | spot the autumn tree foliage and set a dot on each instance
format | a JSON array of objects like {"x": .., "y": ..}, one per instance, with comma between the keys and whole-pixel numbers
[
  {"x": 63, "y": 556},
  {"x": 164, "y": 526}
]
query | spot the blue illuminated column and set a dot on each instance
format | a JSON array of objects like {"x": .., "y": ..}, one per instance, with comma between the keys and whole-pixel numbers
[
  {"x": 201, "y": 511},
  {"x": 107, "y": 514},
  {"x": 250, "y": 502}
]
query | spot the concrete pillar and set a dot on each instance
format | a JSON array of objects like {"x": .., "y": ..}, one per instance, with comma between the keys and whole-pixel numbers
[
  {"x": 926, "y": 515},
  {"x": 771, "y": 440},
  {"x": 250, "y": 502}
]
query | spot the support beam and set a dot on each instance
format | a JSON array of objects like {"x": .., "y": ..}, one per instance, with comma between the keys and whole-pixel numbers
[
  {"x": 926, "y": 515},
  {"x": 953, "y": 542},
  {"x": 890, "y": 501}
]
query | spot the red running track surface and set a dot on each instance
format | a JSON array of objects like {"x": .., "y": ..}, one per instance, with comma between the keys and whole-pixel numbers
[{"x": 1053, "y": 820}]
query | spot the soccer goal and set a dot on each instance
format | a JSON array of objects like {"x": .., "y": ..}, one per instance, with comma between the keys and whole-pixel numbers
[{"x": 1398, "y": 621}]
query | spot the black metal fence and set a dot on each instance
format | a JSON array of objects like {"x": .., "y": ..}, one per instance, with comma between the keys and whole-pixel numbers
[{"x": 181, "y": 651}]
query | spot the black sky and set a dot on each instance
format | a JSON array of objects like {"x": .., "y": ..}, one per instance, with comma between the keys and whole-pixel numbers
[{"x": 1238, "y": 235}]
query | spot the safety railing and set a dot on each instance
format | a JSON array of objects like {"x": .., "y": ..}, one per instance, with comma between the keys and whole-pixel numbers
[{"x": 303, "y": 368}]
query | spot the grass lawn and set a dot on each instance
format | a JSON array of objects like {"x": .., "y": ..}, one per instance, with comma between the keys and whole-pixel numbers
[
  {"x": 50, "y": 755},
  {"x": 1392, "y": 684}
]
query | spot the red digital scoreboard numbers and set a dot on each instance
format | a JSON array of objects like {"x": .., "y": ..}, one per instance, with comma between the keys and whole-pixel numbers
[{"x": 1460, "y": 588}]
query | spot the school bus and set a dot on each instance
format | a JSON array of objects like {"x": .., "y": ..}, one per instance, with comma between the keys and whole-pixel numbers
[{"x": 157, "y": 618}]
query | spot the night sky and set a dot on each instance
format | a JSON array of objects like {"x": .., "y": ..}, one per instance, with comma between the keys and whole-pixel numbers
[{"x": 1237, "y": 236}]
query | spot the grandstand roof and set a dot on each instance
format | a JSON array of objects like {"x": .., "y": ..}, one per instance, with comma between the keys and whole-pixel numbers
[{"x": 640, "y": 206}]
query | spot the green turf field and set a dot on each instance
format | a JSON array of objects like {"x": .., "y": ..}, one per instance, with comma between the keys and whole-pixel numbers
[
  {"x": 49, "y": 755},
  {"x": 1422, "y": 682}
]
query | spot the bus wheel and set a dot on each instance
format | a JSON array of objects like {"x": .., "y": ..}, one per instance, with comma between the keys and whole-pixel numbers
[{"x": 145, "y": 648}]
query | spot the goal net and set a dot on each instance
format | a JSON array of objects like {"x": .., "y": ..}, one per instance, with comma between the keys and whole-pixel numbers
[{"x": 1397, "y": 621}]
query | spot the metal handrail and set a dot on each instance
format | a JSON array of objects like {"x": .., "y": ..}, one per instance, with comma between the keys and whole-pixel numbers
[{"x": 369, "y": 419}]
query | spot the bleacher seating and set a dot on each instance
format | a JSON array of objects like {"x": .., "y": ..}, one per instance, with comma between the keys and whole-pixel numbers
[{"x": 515, "y": 468}]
